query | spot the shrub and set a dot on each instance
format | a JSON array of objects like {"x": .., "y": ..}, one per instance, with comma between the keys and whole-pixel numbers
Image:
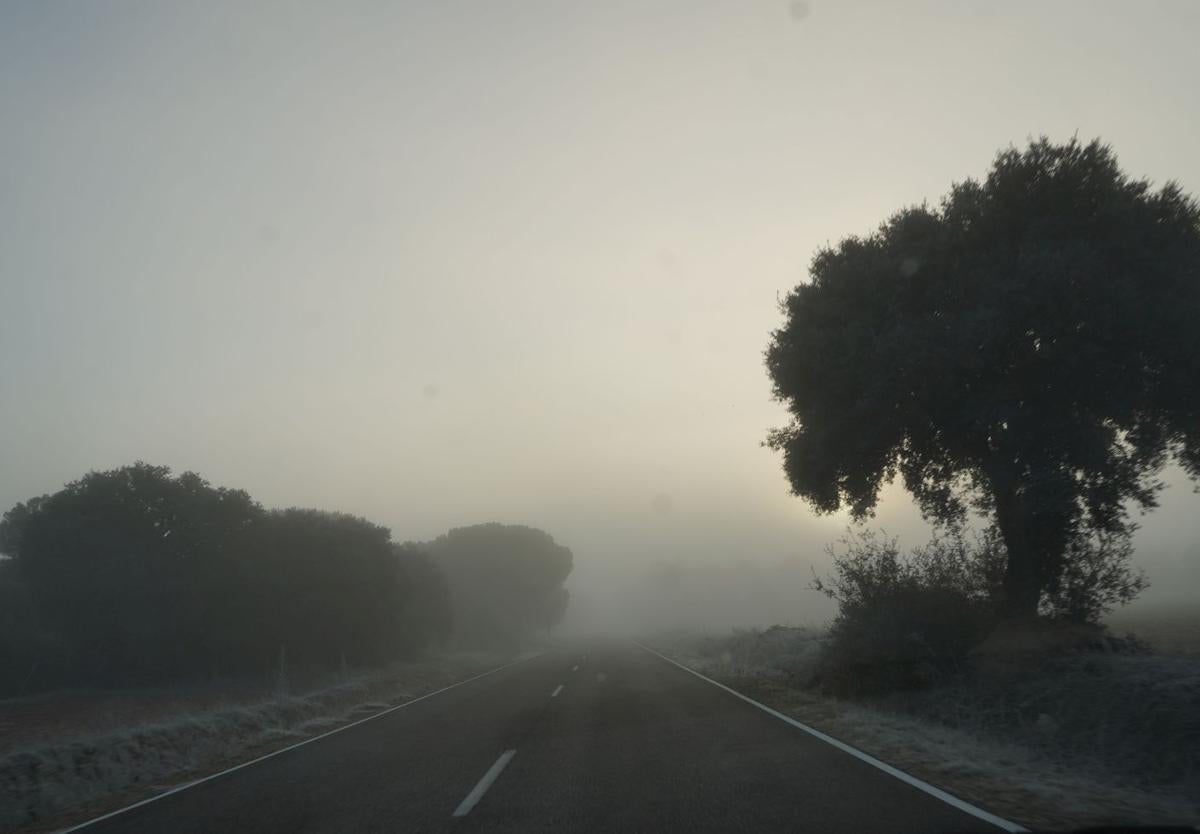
[
  {"x": 903, "y": 621},
  {"x": 907, "y": 620},
  {"x": 779, "y": 651},
  {"x": 1096, "y": 578}
]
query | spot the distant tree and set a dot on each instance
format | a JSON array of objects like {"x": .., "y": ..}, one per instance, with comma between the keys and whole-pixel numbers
[
  {"x": 1029, "y": 348},
  {"x": 505, "y": 581},
  {"x": 429, "y": 614}
]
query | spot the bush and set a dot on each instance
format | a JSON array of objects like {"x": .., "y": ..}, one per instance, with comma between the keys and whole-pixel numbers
[
  {"x": 1096, "y": 578},
  {"x": 904, "y": 621}
]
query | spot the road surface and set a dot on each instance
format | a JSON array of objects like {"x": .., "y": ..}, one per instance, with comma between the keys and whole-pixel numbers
[{"x": 606, "y": 738}]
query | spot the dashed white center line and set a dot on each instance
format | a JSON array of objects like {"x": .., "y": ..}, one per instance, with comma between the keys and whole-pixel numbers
[
  {"x": 480, "y": 789},
  {"x": 576, "y": 669},
  {"x": 557, "y": 690}
]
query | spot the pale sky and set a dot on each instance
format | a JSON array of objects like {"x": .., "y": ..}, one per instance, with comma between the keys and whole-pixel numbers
[{"x": 437, "y": 263}]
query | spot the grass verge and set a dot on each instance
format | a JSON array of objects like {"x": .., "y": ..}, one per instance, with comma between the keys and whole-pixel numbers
[
  {"x": 67, "y": 777},
  {"x": 1091, "y": 741}
]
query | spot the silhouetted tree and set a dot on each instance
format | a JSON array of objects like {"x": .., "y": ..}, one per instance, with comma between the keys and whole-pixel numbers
[
  {"x": 120, "y": 566},
  {"x": 505, "y": 581},
  {"x": 1029, "y": 348}
]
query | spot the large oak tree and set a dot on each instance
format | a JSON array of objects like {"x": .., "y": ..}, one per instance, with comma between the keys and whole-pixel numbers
[{"x": 1029, "y": 348}]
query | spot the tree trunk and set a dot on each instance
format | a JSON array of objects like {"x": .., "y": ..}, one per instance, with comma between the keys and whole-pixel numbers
[{"x": 1022, "y": 584}]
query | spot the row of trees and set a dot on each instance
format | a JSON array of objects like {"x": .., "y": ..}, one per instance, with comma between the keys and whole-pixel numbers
[{"x": 135, "y": 576}]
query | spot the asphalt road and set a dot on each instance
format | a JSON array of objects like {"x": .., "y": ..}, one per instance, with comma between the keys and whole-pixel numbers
[{"x": 605, "y": 738}]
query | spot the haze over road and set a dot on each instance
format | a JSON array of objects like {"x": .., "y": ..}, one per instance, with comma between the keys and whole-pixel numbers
[{"x": 603, "y": 738}]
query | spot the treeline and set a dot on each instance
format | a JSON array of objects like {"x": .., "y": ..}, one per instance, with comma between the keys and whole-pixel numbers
[{"x": 135, "y": 576}]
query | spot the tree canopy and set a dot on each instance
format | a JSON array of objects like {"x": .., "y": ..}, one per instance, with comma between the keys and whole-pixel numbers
[
  {"x": 1028, "y": 348},
  {"x": 119, "y": 565},
  {"x": 506, "y": 581}
]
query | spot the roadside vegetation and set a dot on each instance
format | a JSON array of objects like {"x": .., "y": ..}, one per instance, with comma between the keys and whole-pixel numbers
[
  {"x": 86, "y": 751},
  {"x": 216, "y": 628},
  {"x": 137, "y": 577},
  {"x": 1099, "y": 732},
  {"x": 1023, "y": 357},
  {"x": 911, "y": 620}
]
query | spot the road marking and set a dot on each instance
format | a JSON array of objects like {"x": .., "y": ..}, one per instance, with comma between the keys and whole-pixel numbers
[
  {"x": 274, "y": 753},
  {"x": 575, "y": 669},
  {"x": 948, "y": 798},
  {"x": 557, "y": 690},
  {"x": 480, "y": 789}
]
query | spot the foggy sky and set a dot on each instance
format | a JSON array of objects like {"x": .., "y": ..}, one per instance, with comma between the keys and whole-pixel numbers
[{"x": 439, "y": 263}]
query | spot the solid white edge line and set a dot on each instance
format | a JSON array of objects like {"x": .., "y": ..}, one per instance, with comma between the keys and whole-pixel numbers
[
  {"x": 477, "y": 792},
  {"x": 948, "y": 798},
  {"x": 557, "y": 690},
  {"x": 274, "y": 753}
]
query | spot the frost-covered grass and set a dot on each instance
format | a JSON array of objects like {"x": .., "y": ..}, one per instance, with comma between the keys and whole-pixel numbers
[
  {"x": 43, "y": 780},
  {"x": 1085, "y": 739},
  {"x": 1039, "y": 787},
  {"x": 1135, "y": 716}
]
